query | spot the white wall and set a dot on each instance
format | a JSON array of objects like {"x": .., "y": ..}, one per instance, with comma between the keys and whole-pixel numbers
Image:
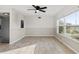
[
  {"x": 39, "y": 27},
  {"x": 32, "y": 25},
  {"x": 16, "y": 33},
  {"x": 67, "y": 10}
]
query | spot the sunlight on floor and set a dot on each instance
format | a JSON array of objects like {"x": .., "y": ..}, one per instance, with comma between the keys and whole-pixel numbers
[{"x": 27, "y": 49}]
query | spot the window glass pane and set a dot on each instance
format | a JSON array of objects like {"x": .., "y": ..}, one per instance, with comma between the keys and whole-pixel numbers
[
  {"x": 70, "y": 19},
  {"x": 77, "y": 18},
  {"x": 61, "y": 29},
  {"x": 61, "y": 22},
  {"x": 73, "y": 31}
]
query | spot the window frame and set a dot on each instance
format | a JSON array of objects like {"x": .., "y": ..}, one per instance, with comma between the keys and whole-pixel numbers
[{"x": 65, "y": 26}]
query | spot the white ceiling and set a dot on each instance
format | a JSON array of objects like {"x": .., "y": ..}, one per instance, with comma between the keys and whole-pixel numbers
[{"x": 51, "y": 9}]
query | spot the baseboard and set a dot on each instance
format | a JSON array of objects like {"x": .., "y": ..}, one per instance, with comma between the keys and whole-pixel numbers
[
  {"x": 31, "y": 36},
  {"x": 41, "y": 35},
  {"x": 66, "y": 44},
  {"x": 17, "y": 40}
]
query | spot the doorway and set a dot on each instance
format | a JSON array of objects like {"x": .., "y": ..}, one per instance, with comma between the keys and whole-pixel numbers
[{"x": 4, "y": 27}]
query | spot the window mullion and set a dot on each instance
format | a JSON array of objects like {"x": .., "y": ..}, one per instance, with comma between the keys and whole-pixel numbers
[
  {"x": 64, "y": 26},
  {"x": 75, "y": 19},
  {"x": 57, "y": 26}
]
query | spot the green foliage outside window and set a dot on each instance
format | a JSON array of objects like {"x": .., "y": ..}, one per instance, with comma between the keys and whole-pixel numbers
[{"x": 61, "y": 29}]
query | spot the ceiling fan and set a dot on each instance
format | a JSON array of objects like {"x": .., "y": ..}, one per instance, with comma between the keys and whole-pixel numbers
[{"x": 38, "y": 8}]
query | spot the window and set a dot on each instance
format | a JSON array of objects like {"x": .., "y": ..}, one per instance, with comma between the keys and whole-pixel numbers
[
  {"x": 70, "y": 21},
  {"x": 69, "y": 25},
  {"x": 61, "y": 26},
  {"x": 61, "y": 29},
  {"x": 77, "y": 18},
  {"x": 61, "y": 22}
]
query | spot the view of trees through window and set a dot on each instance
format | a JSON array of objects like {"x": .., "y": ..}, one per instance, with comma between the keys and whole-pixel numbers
[
  {"x": 61, "y": 29},
  {"x": 70, "y": 25}
]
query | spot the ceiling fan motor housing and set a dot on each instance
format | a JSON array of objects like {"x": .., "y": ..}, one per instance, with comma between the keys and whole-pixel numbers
[{"x": 37, "y": 7}]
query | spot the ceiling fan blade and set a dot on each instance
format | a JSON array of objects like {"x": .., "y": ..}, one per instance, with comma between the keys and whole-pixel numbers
[
  {"x": 43, "y": 8},
  {"x": 34, "y": 6},
  {"x": 31, "y": 9}
]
